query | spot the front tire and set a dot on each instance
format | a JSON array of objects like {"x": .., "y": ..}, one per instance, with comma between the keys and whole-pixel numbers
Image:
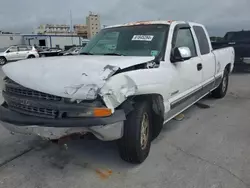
[
  {"x": 135, "y": 144},
  {"x": 3, "y": 61},
  {"x": 221, "y": 90}
]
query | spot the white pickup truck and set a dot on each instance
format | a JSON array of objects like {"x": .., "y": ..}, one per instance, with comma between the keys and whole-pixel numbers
[{"x": 128, "y": 82}]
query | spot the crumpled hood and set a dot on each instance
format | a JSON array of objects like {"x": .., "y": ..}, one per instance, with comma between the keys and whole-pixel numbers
[{"x": 78, "y": 77}]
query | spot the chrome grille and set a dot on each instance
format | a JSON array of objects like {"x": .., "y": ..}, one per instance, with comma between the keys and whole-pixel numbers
[
  {"x": 35, "y": 111},
  {"x": 16, "y": 89},
  {"x": 31, "y": 93}
]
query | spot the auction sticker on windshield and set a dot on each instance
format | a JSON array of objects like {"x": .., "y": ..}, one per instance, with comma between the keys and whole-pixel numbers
[{"x": 143, "y": 37}]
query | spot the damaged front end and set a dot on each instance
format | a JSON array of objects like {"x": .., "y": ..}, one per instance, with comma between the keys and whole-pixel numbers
[
  {"x": 29, "y": 111},
  {"x": 56, "y": 98}
]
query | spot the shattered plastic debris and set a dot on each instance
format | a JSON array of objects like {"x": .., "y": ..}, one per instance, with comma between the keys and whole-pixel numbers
[
  {"x": 108, "y": 71},
  {"x": 202, "y": 105},
  {"x": 103, "y": 174},
  {"x": 179, "y": 117}
]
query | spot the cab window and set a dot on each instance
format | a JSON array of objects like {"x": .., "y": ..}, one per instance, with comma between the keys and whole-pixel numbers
[
  {"x": 12, "y": 49},
  {"x": 202, "y": 40}
]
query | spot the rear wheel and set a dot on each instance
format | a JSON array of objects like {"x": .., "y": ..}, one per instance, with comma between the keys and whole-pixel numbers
[
  {"x": 135, "y": 144},
  {"x": 3, "y": 61},
  {"x": 221, "y": 90},
  {"x": 31, "y": 56}
]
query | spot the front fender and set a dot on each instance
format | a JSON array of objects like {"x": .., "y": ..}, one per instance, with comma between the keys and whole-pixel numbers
[{"x": 119, "y": 87}]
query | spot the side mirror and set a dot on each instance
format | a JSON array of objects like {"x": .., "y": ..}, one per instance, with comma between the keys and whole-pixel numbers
[
  {"x": 8, "y": 51},
  {"x": 181, "y": 54}
]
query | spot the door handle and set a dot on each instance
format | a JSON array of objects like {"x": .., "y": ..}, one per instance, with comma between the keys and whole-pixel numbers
[{"x": 199, "y": 66}]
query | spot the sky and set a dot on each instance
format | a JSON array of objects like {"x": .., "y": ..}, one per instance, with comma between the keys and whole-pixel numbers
[{"x": 218, "y": 16}]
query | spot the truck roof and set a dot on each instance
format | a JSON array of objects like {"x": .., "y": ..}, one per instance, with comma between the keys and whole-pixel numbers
[{"x": 165, "y": 22}]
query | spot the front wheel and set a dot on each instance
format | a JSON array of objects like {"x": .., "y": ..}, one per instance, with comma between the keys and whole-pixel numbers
[
  {"x": 135, "y": 144},
  {"x": 221, "y": 90},
  {"x": 3, "y": 61}
]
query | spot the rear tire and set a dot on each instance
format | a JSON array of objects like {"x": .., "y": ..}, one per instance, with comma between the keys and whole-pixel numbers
[
  {"x": 221, "y": 90},
  {"x": 31, "y": 56},
  {"x": 135, "y": 144},
  {"x": 3, "y": 61}
]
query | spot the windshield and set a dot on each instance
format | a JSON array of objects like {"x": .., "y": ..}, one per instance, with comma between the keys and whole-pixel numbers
[
  {"x": 3, "y": 49},
  {"x": 140, "y": 40},
  {"x": 237, "y": 36}
]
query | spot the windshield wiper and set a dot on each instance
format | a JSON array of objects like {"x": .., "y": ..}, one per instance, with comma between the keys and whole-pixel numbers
[
  {"x": 116, "y": 54},
  {"x": 86, "y": 53}
]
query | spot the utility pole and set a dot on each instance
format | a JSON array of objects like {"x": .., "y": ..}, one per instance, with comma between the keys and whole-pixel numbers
[{"x": 71, "y": 27}]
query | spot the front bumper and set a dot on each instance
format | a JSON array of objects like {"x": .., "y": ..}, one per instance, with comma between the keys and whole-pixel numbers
[{"x": 105, "y": 128}]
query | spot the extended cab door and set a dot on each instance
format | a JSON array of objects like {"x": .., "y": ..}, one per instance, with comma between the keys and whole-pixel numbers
[{"x": 207, "y": 57}]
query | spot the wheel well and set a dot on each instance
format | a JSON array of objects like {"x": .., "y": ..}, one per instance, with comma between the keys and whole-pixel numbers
[
  {"x": 31, "y": 55},
  {"x": 156, "y": 102},
  {"x": 228, "y": 67},
  {"x": 3, "y": 57}
]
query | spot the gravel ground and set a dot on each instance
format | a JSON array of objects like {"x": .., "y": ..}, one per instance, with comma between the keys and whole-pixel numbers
[{"x": 209, "y": 148}]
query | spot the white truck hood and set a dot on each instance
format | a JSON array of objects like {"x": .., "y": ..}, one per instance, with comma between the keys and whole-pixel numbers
[{"x": 76, "y": 77}]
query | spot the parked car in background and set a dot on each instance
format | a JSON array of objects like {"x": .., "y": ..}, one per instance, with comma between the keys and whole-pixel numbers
[
  {"x": 126, "y": 83},
  {"x": 17, "y": 52},
  {"x": 72, "y": 51},
  {"x": 41, "y": 48},
  {"x": 240, "y": 40},
  {"x": 50, "y": 52}
]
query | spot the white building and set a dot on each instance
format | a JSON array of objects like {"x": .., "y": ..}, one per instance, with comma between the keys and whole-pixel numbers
[
  {"x": 41, "y": 40},
  {"x": 56, "y": 29},
  {"x": 7, "y": 40},
  {"x": 93, "y": 24},
  {"x": 52, "y": 41}
]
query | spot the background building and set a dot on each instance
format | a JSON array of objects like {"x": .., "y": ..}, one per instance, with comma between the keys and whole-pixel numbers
[
  {"x": 93, "y": 24},
  {"x": 56, "y": 29},
  {"x": 81, "y": 30},
  {"x": 10, "y": 39},
  {"x": 49, "y": 41},
  {"x": 88, "y": 30},
  {"x": 55, "y": 35}
]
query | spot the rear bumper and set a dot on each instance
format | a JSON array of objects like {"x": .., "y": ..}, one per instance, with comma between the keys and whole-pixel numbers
[
  {"x": 37, "y": 55},
  {"x": 106, "y": 128}
]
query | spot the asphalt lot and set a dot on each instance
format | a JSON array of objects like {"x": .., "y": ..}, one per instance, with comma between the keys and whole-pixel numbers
[{"x": 208, "y": 149}]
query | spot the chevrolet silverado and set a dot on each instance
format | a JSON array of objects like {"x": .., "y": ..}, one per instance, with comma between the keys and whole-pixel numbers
[{"x": 126, "y": 83}]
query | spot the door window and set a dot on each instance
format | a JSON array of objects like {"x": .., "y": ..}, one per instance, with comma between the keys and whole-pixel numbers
[
  {"x": 13, "y": 49},
  {"x": 202, "y": 40},
  {"x": 184, "y": 38},
  {"x": 23, "y": 48}
]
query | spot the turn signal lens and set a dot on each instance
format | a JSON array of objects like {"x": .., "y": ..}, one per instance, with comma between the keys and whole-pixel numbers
[{"x": 102, "y": 112}]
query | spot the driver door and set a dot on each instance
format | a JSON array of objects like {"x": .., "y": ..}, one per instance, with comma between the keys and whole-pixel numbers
[{"x": 187, "y": 84}]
